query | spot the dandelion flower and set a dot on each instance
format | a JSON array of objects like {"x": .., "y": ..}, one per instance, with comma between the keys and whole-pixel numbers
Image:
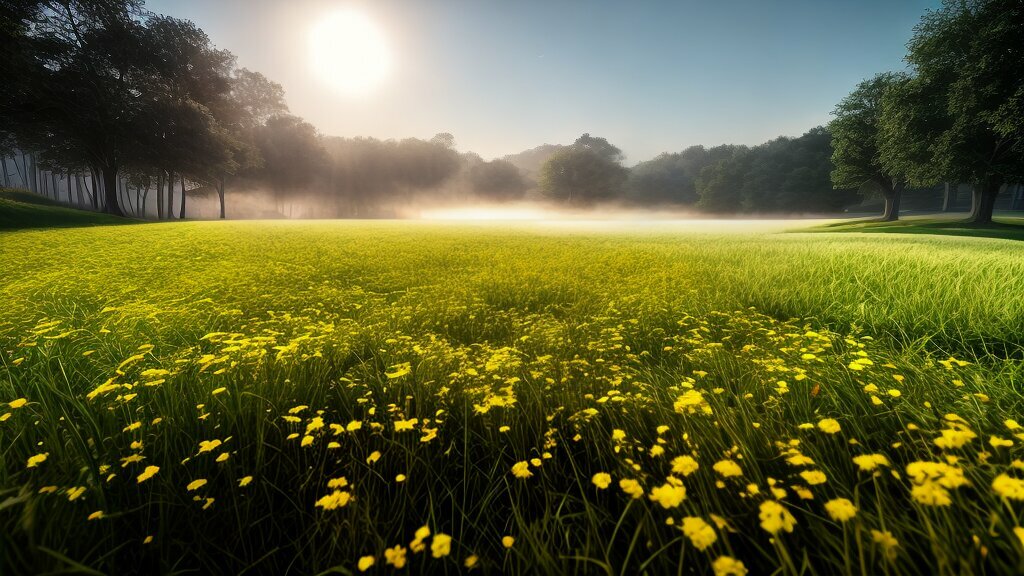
[
  {"x": 829, "y": 426},
  {"x": 441, "y": 545},
  {"x": 196, "y": 484},
  {"x": 840, "y": 509},
  {"x": 244, "y": 481},
  {"x": 668, "y": 495},
  {"x": 813, "y": 477},
  {"x": 334, "y": 500},
  {"x": 700, "y": 533},
  {"x": 728, "y": 566},
  {"x": 728, "y": 468},
  {"x": 631, "y": 487},
  {"x": 602, "y": 480},
  {"x": 148, "y": 473},
  {"x": 209, "y": 445},
  {"x": 775, "y": 518},
  {"x": 1008, "y": 487},
  {"x": 868, "y": 462},
  {"x": 373, "y": 457},
  {"x": 365, "y": 563},
  {"x": 508, "y": 541},
  {"x": 886, "y": 540},
  {"x": 96, "y": 515},
  {"x": 684, "y": 465},
  {"x": 521, "y": 470},
  {"x": 395, "y": 556},
  {"x": 15, "y": 404},
  {"x": 471, "y": 561},
  {"x": 36, "y": 460}
]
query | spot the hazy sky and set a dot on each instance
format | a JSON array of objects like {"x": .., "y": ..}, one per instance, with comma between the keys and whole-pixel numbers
[{"x": 507, "y": 76}]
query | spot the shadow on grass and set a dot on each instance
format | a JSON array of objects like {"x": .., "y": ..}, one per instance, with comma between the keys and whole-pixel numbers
[
  {"x": 1005, "y": 227},
  {"x": 21, "y": 210}
]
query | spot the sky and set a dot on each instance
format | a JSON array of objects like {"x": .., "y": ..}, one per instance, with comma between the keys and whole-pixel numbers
[{"x": 502, "y": 77}]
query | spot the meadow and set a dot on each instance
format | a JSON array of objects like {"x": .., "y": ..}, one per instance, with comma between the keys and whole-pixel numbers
[{"x": 593, "y": 398}]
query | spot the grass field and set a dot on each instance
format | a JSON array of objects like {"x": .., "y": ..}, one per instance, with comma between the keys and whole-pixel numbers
[{"x": 305, "y": 398}]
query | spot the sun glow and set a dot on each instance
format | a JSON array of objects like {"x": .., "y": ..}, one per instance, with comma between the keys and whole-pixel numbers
[{"x": 348, "y": 52}]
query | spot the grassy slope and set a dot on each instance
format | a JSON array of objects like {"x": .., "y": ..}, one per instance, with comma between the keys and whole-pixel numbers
[
  {"x": 21, "y": 210},
  {"x": 320, "y": 314},
  {"x": 1005, "y": 227}
]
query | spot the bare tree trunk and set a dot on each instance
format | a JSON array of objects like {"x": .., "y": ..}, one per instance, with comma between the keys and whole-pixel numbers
[
  {"x": 949, "y": 197},
  {"x": 138, "y": 201},
  {"x": 220, "y": 192},
  {"x": 170, "y": 195},
  {"x": 181, "y": 213},
  {"x": 7, "y": 177},
  {"x": 56, "y": 189},
  {"x": 110, "y": 205},
  {"x": 21, "y": 173},
  {"x": 127, "y": 195},
  {"x": 78, "y": 189},
  {"x": 893, "y": 196},
  {"x": 160, "y": 195},
  {"x": 145, "y": 200},
  {"x": 983, "y": 202}
]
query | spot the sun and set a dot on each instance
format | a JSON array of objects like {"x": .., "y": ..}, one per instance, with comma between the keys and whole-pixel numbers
[{"x": 348, "y": 52}]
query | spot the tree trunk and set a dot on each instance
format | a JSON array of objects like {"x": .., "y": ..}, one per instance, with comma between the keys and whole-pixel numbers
[
  {"x": 111, "y": 206},
  {"x": 181, "y": 213},
  {"x": 170, "y": 195},
  {"x": 56, "y": 189},
  {"x": 983, "y": 202},
  {"x": 892, "y": 203},
  {"x": 160, "y": 195},
  {"x": 949, "y": 197},
  {"x": 220, "y": 192},
  {"x": 145, "y": 201},
  {"x": 7, "y": 177},
  {"x": 78, "y": 189}
]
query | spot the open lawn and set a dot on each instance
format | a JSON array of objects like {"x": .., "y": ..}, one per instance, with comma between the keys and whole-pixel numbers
[
  {"x": 606, "y": 398},
  {"x": 1009, "y": 227}
]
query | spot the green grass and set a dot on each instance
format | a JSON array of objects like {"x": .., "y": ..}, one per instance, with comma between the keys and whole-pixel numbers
[
  {"x": 1005, "y": 227},
  {"x": 20, "y": 209},
  {"x": 717, "y": 345}
]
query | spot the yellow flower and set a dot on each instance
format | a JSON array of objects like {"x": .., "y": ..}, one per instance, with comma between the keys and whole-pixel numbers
[
  {"x": 886, "y": 541},
  {"x": 395, "y": 556},
  {"x": 471, "y": 561},
  {"x": 223, "y": 457},
  {"x": 954, "y": 438},
  {"x": 728, "y": 468},
  {"x": 148, "y": 473},
  {"x": 700, "y": 533},
  {"x": 997, "y": 442},
  {"x": 813, "y": 477},
  {"x": 220, "y": 390},
  {"x": 774, "y": 517},
  {"x": 521, "y": 470},
  {"x": 365, "y": 563},
  {"x": 868, "y": 462},
  {"x": 36, "y": 460},
  {"x": 931, "y": 494},
  {"x": 373, "y": 457},
  {"x": 297, "y": 409},
  {"x": 196, "y": 484},
  {"x": 306, "y": 441},
  {"x": 508, "y": 541},
  {"x": 684, "y": 465},
  {"x": 618, "y": 435},
  {"x": 840, "y": 509},
  {"x": 1019, "y": 532},
  {"x": 15, "y": 404},
  {"x": 829, "y": 426},
  {"x": 1008, "y": 487},
  {"x": 209, "y": 445},
  {"x": 602, "y": 480},
  {"x": 337, "y": 482},
  {"x": 417, "y": 545},
  {"x": 132, "y": 426},
  {"x": 668, "y": 495},
  {"x": 441, "y": 545},
  {"x": 631, "y": 487},
  {"x": 728, "y": 566},
  {"x": 399, "y": 478},
  {"x": 242, "y": 483},
  {"x": 96, "y": 515},
  {"x": 403, "y": 425},
  {"x": 147, "y": 539},
  {"x": 336, "y": 499},
  {"x": 75, "y": 493}
]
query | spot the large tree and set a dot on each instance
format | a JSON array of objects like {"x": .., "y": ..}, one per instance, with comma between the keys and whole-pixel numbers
[
  {"x": 590, "y": 170},
  {"x": 857, "y": 143},
  {"x": 960, "y": 117}
]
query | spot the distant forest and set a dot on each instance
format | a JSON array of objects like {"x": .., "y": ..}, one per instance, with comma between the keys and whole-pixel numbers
[{"x": 111, "y": 107}]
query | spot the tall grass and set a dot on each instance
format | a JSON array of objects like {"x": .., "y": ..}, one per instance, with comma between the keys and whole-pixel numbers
[{"x": 506, "y": 345}]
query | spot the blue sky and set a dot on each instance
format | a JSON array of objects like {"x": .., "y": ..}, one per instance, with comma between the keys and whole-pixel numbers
[{"x": 506, "y": 76}]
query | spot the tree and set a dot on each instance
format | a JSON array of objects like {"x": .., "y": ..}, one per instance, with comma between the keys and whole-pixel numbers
[
  {"x": 497, "y": 180},
  {"x": 857, "y": 143},
  {"x": 720, "y": 185},
  {"x": 960, "y": 117},
  {"x": 588, "y": 171}
]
